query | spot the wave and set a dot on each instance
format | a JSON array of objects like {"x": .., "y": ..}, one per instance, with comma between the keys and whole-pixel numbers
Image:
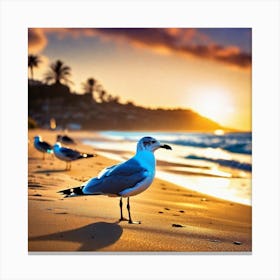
[
  {"x": 230, "y": 150},
  {"x": 224, "y": 162},
  {"x": 239, "y": 143}
]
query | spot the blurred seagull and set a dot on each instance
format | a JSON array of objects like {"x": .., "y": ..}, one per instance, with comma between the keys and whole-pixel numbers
[
  {"x": 42, "y": 146},
  {"x": 125, "y": 179},
  {"x": 68, "y": 155},
  {"x": 64, "y": 139}
]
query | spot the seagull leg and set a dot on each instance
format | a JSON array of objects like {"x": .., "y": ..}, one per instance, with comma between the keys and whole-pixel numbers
[
  {"x": 43, "y": 156},
  {"x": 128, "y": 209},
  {"x": 121, "y": 218}
]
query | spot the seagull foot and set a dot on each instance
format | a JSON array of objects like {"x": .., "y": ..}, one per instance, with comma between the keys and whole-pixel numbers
[
  {"x": 123, "y": 219},
  {"x": 134, "y": 222}
]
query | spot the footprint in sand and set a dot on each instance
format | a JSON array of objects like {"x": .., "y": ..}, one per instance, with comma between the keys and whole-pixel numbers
[
  {"x": 56, "y": 209},
  {"x": 37, "y": 194},
  {"x": 177, "y": 225},
  {"x": 167, "y": 209},
  {"x": 160, "y": 212},
  {"x": 34, "y": 185},
  {"x": 181, "y": 211},
  {"x": 214, "y": 240}
]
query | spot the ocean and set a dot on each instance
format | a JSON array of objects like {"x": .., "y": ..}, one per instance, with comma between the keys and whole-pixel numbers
[{"x": 218, "y": 165}]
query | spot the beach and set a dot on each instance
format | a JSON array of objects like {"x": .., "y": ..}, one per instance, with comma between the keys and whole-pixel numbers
[{"x": 173, "y": 218}]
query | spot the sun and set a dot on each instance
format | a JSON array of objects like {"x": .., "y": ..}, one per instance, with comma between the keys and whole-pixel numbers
[{"x": 215, "y": 104}]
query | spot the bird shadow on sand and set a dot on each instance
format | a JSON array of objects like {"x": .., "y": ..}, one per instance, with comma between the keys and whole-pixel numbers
[{"x": 92, "y": 237}]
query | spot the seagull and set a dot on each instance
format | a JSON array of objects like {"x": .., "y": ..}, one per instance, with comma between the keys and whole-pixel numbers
[
  {"x": 125, "y": 179},
  {"x": 42, "y": 146},
  {"x": 68, "y": 155},
  {"x": 65, "y": 140}
]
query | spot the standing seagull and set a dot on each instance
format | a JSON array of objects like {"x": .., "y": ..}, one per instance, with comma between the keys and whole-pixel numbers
[
  {"x": 68, "y": 155},
  {"x": 42, "y": 146},
  {"x": 125, "y": 179},
  {"x": 64, "y": 139}
]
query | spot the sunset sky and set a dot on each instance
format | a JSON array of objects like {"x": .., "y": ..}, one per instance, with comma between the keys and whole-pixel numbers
[{"x": 207, "y": 70}]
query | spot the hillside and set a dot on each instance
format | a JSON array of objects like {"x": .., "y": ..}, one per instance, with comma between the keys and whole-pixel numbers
[{"x": 81, "y": 111}]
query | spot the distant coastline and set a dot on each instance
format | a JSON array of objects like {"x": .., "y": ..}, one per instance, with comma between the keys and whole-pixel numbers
[{"x": 79, "y": 111}]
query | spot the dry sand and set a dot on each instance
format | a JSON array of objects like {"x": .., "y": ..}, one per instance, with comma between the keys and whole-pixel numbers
[{"x": 173, "y": 218}]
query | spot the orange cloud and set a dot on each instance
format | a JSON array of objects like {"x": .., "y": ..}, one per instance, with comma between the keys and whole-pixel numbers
[
  {"x": 189, "y": 41},
  {"x": 37, "y": 40},
  {"x": 228, "y": 55}
]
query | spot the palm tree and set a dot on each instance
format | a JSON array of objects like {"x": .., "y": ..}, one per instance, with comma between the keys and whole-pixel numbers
[
  {"x": 33, "y": 61},
  {"x": 112, "y": 99},
  {"x": 58, "y": 72},
  {"x": 90, "y": 86},
  {"x": 102, "y": 95}
]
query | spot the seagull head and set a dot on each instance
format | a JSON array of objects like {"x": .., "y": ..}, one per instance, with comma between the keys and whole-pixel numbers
[
  {"x": 57, "y": 145},
  {"x": 37, "y": 138},
  {"x": 150, "y": 144}
]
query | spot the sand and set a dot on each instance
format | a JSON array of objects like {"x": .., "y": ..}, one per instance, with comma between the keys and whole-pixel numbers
[{"x": 173, "y": 218}]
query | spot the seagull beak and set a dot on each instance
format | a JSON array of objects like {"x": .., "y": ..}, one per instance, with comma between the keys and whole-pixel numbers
[{"x": 167, "y": 147}]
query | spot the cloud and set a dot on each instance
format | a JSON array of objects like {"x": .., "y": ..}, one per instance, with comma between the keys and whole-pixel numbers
[
  {"x": 231, "y": 56},
  {"x": 182, "y": 41},
  {"x": 37, "y": 40}
]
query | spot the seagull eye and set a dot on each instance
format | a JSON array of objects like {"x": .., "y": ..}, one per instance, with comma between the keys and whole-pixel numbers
[{"x": 153, "y": 141}]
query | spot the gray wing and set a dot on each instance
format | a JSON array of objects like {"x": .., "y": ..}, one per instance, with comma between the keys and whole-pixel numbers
[
  {"x": 45, "y": 146},
  {"x": 69, "y": 153},
  {"x": 117, "y": 178}
]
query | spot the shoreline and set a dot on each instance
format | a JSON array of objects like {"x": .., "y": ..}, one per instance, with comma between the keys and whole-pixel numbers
[
  {"x": 202, "y": 223},
  {"x": 223, "y": 182}
]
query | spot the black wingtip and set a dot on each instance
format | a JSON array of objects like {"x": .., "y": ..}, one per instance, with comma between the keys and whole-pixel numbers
[
  {"x": 72, "y": 191},
  {"x": 66, "y": 192}
]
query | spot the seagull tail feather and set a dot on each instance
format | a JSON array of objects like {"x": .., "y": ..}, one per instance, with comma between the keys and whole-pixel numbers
[
  {"x": 84, "y": 155},
  {"x": 77, "y": 191}
]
